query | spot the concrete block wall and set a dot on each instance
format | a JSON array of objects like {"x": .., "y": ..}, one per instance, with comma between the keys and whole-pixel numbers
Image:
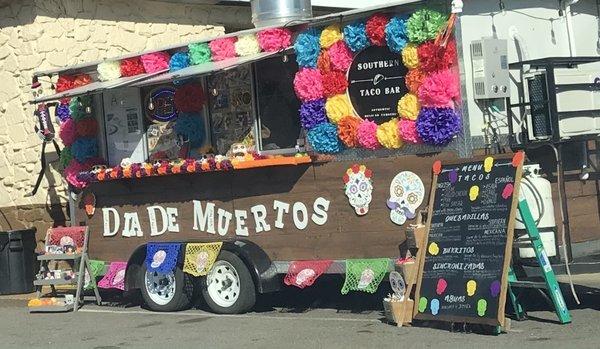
[{"x": 44, "y": 34}]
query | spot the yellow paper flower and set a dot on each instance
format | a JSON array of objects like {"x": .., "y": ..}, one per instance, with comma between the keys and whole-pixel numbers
[
  {"x": 337, "y": 107},
  {"x": 408, "y": 106},
  {"x": 388, "y": 135},
  {"x": 330, "y": 35},
  {"x": 410, "y": 58},
  {"x": 247, "y": 45}
]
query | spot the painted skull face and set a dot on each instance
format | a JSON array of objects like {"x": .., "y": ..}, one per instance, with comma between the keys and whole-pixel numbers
[
  {"x": 119, "y": 277},
  {"x": 359, "y": 188},
  {"x": 66, "y": 241},
  {"x": 406, "y": 195},
  {"x": 366, "y": 277},
  {"x": 158, "y": 258},
  {"x": 201, "y": 260},
  {"x": 238, "y": 150},
  {"x": 303, "y": 275}
]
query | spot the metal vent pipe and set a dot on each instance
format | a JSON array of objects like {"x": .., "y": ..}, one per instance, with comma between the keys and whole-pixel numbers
[{"x": 279, "y": 12}]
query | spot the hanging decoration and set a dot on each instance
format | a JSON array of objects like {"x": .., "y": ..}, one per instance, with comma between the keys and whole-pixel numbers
[
  {"x": 438, "y": 126},
  {"x": 274, "y": 39},
  {"x": 155, "y": 62},
  {"x": 324, "y": 63},
  {"x": 304, "y": 273},
  {"x": 337, "y": 107},
  {"x": 330, "y": 35},
  {"x": 162, "y": 257},
  {"x": 89, "y": 204},
  {"x": 408, "y": 130},
  {"x": 109, "y": 70},
  {"x": 334, "y": 83},
  {"x": 364, "y": 274},
  {"x": 67, "y": 132},
  {"x": 200, "y": 257},
  {"x": 348, "y": 131},
  {"x": 179, "y": 60},
  {"x": 358, "y": 187},
  {"x": 340, "y": 56},
  {"x": 189, "y": 97},
  {"x": 408, "y": 106},
  {"x": 115, "y": 276},
  {"x": 376, "y": 25},
  {"x": 312, "y": 113},
  {"x": 425, "y": 24},
  {"x": 388, "y": 136},
  {"x": 65, "y": 157},
  {"x": 222, "y": 49},
  {"x": 308, "y": 84},
  {"x": 396, "y": 35},
  {"x": 324, "y": 138},
  {"x": 247, "y": 45},
  {"x": 440, "y": 89},
  {"x": 67, "y": 82},
  {"x": 414, "y": 79},
  {"x": 191, "y": 127},
  {"x": 367, "y": 135},
  {"x": 307, "y": 48},
  {"x": 199, "y": 53},
  {"x": 406, "y": 195},
  {"x": 97, "y": 270},
  {"x": 132, "y": 66},
  {"x": 62, "y": 111},
  {"x": 355, "y": 36}
]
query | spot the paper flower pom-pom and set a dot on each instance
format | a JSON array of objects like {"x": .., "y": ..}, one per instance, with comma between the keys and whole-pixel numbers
[
  {"x": 408, "y": 106},
  {"x": 410, "y": 56},
  {"x": 81, "y": 80},
  {"x": 87, "y": 127},
  {"x": 367, "y": 135},
  {"x": 414, "y": 79},
  {"x": 437, "y": 126},
  {"x": 312, "y": 113},
  {"x": 189, "y": 98},
  {"x": 376, "y": 28},
  {"x": 155, "y": 62},
  {"x": 408, "y": 131},
  {"x": 109, "y": 70},
  {"x": 348, "y": 131},
  {"x": 80, "y": 107},
  {"x": 132, "y": 66},
  {"x": 341, "y": 56},
  {"x": 199, "y": 53},
  {"x": 84, "y": 148},
  {"x": 440, "y": 89},
  {"x": 308, "y": 84},
  {"x": 307, "y": 48},
  {"x": 247, "y": 45},
  {"x": 424, "y": 25},
  {"x": 334, "y": 82},
  {"x": 337, "y": 107},
  {"x": 396, "y": 35},
  {"x": 222, "y": 49},
  {"x": 324, "y": 139},
  {"x": 179, "y": 61},
  {"x": 324, "y": 62},
  {"x": 191, "y": 127},
  {"x": 65, "y": 157},
  {"x": 275, "y": 39},
  {"x": 433, "y": 57},
  {"x": 388, "y": 136},
  {"x": 330, "y": 35},
  {"x": 64, "y": 83},
  {"x": 67, "y": 132},
  {"x": 355, "y": 36},
  {"x": 62, "y": 111},
  {"x": 72, "y": 171}
]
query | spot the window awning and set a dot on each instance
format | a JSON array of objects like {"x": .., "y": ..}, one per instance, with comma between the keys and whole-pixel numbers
[{"x": 96, "y": 87}]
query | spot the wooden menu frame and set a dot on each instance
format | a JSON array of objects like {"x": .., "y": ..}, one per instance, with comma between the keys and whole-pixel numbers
[{"x": 499, "y": 321}]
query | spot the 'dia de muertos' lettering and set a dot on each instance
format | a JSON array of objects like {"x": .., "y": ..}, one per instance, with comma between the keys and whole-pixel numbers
[{"x": 208, "y": 218}]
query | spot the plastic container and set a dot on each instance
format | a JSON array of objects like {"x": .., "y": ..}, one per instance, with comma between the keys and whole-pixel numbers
[{"x": 17, "y": 261}]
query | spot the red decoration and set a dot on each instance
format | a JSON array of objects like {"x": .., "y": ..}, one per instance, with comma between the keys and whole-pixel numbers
[
  {"x": 334, "y": 83},
  {"x": 437, "y": 167},
  {"x": 304, "y": 273},
  {"x": 132, "y": 66},
  {"x": 376, "y": 29},
  {"x": 518, "y": 158},
  {"x": 68, "y": 82},
  {"x": 87, "y": 127},
  {"x": 433, "y": 57},
  {"x": 414, "y": 79},
  {"x": 116, "y": 173},
  {"x": 189, "y": 98},
  {"x": 324, "y": 62}
]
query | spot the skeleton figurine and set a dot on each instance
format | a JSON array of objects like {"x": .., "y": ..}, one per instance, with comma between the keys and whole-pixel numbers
[
  {"x": 45, "y": 130},
  {"x": 358, "y": 188},
  {"x": 406, "y": 195}
]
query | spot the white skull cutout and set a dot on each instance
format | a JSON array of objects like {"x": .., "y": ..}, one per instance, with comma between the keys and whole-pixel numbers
[
  {"x": 406, "y": 195},
  {"x": 358, "y": 188}
]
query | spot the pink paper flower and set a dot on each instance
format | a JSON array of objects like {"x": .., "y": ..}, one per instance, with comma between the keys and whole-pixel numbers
[
  {"x": 155, "y": 62},
  {"x": 68, "y": 132},
  {"x": 222, "y": 49},
  {"x": 308, "y": 84},
  {"x": 408, "y": 131},
  {"x": 440, "y": 89},
  {"x": 276, "y": 39},
  {"x": 367, "y": 135},
  {"x": 341, "y": 56}
]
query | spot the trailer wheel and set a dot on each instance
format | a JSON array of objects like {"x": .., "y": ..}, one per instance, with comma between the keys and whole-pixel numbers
[
  {"x": 228, "y": 288},
  {"x": 165, "y": 292}
]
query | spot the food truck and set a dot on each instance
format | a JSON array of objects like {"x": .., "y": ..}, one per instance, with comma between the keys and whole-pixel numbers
[{"x": 227, "y": 163}]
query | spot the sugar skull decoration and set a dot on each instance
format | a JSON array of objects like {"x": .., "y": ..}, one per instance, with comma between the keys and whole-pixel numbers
[
  {"x": 304, "y": 275},
  {"x": 202, "y": 261},
  {"x": 406, "y": 195},
  {"x": 366, "y": 277},
  {"x": 119, "y": 277},
  {"x": 66, "y": 241},
  {"x": 158, "y": 258},
  {"x": 359, "y": 188}
]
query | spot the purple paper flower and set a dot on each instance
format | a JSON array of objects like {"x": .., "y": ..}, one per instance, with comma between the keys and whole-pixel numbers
[
  {"x": 86, "y": 177},
  {"x": 226, "y": 165},
  {"x": 62, "y": 112},
  {"x": 312, "y": 113},
  {"x": 438, "y": 126}
]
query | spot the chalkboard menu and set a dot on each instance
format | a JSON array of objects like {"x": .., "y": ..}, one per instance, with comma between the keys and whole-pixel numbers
[{"x": 464, "y": 270}]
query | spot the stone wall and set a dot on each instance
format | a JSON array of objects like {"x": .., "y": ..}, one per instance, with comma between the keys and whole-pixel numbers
[{"x": 45, "y": 34}]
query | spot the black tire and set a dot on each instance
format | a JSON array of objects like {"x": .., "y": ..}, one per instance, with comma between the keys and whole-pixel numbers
[
  {"x": 182, "y": 298},
  {"x": 247, "y": 292}
]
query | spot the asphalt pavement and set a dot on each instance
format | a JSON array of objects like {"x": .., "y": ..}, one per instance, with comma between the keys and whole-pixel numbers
[{"x": 318, "y": 317}]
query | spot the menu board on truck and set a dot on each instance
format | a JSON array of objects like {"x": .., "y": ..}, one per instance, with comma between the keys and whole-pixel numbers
[{"x": 472, "y": 213}]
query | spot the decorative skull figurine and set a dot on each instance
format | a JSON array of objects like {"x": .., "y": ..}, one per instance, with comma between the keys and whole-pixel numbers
[
  {"x": 238, "y": 151},
  {"x": 359, "y": 187},
  {"x": 406, "y": 195}
]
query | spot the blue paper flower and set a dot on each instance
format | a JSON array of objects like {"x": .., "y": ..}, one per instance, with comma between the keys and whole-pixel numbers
[
  {"x": 355, "y": 35},
  {"x": 191, "y": 127},
  {"x": 179, "y": 61},
  {"x": 324, "y": 138},
  {"x": 84, "y": 148},
  {"x": 396, "y": 34},
  {"x": 308, "y": 48}
]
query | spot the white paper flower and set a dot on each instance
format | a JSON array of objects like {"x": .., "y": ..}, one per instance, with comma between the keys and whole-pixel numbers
[
  {"x": 109, "y": 70},
  {"x": 247, "y": 45}
]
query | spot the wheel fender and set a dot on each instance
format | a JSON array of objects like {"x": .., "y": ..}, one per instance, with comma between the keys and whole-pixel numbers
[
  {"x": 258, "y": 262},
  {"x": 132, "y": 281}
]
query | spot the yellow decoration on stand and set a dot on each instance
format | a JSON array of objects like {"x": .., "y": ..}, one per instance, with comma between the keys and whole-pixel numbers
[
  {"x": 199, "y": 258},
  {"x": 330, "y": 35},
  {"x": 388, "y": 135},
  {"x": 408, "y": 106},
  {"x": 337, "y": 107},
  {"x": 410, "y": 58}
]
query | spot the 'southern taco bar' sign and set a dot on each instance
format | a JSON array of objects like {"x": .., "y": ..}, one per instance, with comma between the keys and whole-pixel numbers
[{"x": 209, "y": 218}]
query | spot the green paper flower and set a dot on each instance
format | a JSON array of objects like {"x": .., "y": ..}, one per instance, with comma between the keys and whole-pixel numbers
[
  {"x": 199, "y": 53},
  {"x": 65, "y": 156},
  {"x": 80, "y": 106},
  {"x": 425, "y": 25}
]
